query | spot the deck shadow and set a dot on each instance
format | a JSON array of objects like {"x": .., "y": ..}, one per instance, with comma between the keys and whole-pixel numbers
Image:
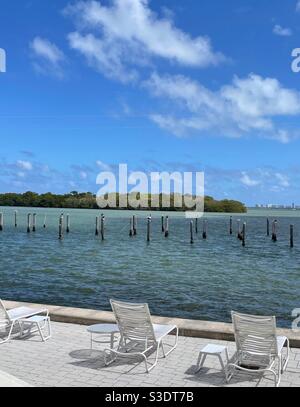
[
  {"x": 211, "y": 376},
  {"x": 95, "y": 360},
  {"x": 86, "y": 354}
]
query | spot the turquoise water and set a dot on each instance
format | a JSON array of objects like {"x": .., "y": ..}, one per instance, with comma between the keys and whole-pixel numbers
[{"x": 201, "y": 281}]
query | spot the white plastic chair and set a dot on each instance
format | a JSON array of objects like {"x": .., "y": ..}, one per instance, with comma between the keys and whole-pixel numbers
[
  {"x": 139, "y": 337},
  {"x": 10, "y": 318},
  {"x": 259, "y": 349}
]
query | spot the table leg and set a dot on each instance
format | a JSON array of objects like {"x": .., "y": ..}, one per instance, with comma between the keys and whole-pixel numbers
[
  {"x": 201, "y": 360},
  {"x": 40, "y": 331},
  {"x": 112, "y": 340},
  {"x": 21, "y": 324},
  {"x": 225, "y": 370},
  {"x": 228, "y": 374}
]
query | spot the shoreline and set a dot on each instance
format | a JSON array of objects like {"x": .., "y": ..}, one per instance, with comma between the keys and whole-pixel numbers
[
  {"x": 122, "y": 210},
  {"x": 188, "y": 328},
  {"x": 125, "y": 213}
]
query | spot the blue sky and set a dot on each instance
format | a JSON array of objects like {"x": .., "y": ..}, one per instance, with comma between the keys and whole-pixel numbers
[{"x": 161, "y": 85}]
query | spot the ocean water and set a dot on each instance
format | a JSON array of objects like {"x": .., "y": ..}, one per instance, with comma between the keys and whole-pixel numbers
[{"x": 202, "y": 281}]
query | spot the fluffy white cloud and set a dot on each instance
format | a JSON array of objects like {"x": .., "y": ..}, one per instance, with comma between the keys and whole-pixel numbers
[
  {"x": 246, "y": 106},
  {"x": 48, "y": 58},
  {"x": 128, "y": 33},
  {"x": 103, "y": 166},
  {"x": 283, "y": 180},
  {"x": 123, "y": 36},
  {"x": 102, "y": 55},
  {"x": 24, "y": 165},
  {"x": 283, "y": 32},
  {"x": 83, "y": 175},
  {"x": 249, "y": 182}
]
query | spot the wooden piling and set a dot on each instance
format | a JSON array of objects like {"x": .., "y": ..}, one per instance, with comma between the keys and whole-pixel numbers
[
  {"x": 1, "y": 222},
  {"x": 230, "y": 226},
  {"x": 134, "y": 220},
  {"x": 192, "y": 231},
  {"x": 167, "y": 227},
  {"x": 291, "y": 236},
  {"x": 239, "y": 234},
  {"x": 162, "y": 224},
  {"x": 204, "y": 234},
  {"x": 131, "y": 227},
  {"x": 68, "y": 224},
  {"x": 34, "y": 222},
  {"x": 149, "y": 229},
  {"x": 29, "y": 223},
  {"x": 61, "y": 227},
  {"x": 268, "y": 227},
  {"x": 196, "y": 225},
  {"x": 102, "y": 226},
  {"x": 244, "y": 234},
  {"x": 16, "y": 218},
  {"x": 97, "y": 226},
  {"x": 274, "y": 231}
]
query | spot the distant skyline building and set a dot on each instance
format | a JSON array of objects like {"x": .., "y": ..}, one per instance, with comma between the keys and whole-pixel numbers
[{"x": 277, "y": 206}]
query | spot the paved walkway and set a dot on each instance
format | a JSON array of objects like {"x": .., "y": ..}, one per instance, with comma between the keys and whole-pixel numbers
[
  {"x": 7, "y": 380},
  {"x": 66, "y": 360}
]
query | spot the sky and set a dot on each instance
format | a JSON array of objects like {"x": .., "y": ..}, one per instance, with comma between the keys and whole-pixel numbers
[{"x": 162, "y": 85}]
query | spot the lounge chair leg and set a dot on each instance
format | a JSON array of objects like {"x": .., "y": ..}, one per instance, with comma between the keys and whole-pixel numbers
[
  {"x": 112, "y": 340},
  {"x": 47, "y": 325},
  {"x": 277, "y": 380},
  {"x": 40, "y": 329},
  {"x": 21, "y": 329},
  {"x": 175, "y": 345},
  {"x": 280, "y": 366},
  {"x": 148, "y": 370},
  {"x": 163, "y": 349},
  {"x": 113, "y": 359},
  {"x": 146, "y": 364},
  {"x": 9, "y": 334},
  {"x": 277, "y": 376},
  {"x": 40, "y": 332},
  {"x": 49, "y": 328},
  {"x": 91, "y": 342},
  {"x": 284, "y": 364},
  {"x": 231, "y": 368}
]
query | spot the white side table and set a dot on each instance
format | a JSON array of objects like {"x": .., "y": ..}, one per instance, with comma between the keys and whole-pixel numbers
[
  {"x": 104, "y": 330},
  {"x": 38, "y": 321},
  {"x": 214, "y": 350}
]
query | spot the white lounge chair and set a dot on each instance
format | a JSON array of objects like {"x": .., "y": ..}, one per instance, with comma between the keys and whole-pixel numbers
[
  {"x": 16, "y": 316},
  {"x": 259, "y": 349},
  {"x": 139, "y": 337}
]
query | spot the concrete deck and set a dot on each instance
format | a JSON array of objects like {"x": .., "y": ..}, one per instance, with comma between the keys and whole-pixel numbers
[
  {"x": 66, "y": 361},
  {"x": 188, "y": 328},
  {"x": 7, "y": 380}
]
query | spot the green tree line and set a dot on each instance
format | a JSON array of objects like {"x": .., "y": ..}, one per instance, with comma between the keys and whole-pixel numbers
[{"x": 87, "y": 200}]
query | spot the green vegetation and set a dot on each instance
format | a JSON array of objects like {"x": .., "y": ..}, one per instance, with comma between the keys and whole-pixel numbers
[
  {"x": 228, "y": 206},
  {"x": 87, "y": 200}
]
